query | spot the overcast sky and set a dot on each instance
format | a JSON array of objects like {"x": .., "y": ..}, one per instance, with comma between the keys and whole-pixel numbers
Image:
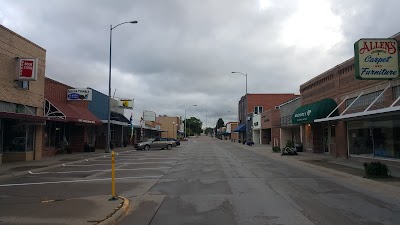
[{"x": 182, "y": 52}]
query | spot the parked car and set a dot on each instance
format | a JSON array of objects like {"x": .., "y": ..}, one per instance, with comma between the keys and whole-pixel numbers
[
  {"x": 178, "y": 142},
  {"x": 162, "y": 143}
]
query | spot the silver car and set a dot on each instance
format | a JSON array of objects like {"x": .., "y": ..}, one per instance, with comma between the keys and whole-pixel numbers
[{"x": 162, "y": 143}]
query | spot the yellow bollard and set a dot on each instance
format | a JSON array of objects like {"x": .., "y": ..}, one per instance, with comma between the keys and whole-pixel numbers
[{"x": 114, "y": 196}]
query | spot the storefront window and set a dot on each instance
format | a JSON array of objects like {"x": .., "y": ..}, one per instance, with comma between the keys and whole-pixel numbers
[
  {"x": 55, "y": 134},
  {"x": 18, "y": 137},
  {"x": 375, "y": 137}
]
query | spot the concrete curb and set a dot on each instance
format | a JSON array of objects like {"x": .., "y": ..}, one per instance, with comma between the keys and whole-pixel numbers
[
  {"x": 58, "y": 164},
  {"x": 118, "y": 214}
]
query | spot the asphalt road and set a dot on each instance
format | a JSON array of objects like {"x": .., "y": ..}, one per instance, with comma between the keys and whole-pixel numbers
[{"x": 208, "y": 181}]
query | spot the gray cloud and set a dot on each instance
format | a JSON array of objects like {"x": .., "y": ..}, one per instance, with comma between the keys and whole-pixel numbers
[{"x": 182, "y": 52}]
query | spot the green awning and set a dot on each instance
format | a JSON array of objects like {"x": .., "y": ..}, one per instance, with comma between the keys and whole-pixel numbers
[{"x": 317, "y": 110}]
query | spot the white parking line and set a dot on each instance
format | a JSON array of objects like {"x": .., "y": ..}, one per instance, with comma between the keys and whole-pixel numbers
[
  {"x": 109, "y": 164},
  {"x": 86, "y": 171},
  {"x": 136, "y": 159},
  {"x": 130, "y": 160},
  {"x": 77, "y": 181}
]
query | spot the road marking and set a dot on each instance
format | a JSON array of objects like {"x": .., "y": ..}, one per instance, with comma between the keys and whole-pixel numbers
[
  {"x": 77, "y": 181},
  {"x": 139, "y": 163},
  {"x": 86, "y": 171},
  {"x": 130, "y": 160},
  {"x": 144, "y": 158}
]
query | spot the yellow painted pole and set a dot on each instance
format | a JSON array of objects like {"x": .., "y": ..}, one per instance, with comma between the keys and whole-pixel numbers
[{"x": 114, "y": 196}]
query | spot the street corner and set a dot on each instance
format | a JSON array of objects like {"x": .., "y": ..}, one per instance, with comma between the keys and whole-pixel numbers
[{"x": 117, "y": 210}]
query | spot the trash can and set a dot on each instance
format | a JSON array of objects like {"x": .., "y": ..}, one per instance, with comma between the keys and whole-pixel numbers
[{"x": 299, "y": 147}]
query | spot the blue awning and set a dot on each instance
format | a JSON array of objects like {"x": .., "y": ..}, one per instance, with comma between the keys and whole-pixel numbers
[{"x": 240, "y": 128}]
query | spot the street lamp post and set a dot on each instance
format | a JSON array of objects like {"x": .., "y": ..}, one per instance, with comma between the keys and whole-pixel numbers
[
  {"x": 245, "y": 76},
  {"x": 173, "y": 129},
  {"x": 185, "y": 119},
  {"x": 109, "y": 89}
]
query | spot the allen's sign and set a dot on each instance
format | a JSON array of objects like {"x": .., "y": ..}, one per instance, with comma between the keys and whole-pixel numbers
[
  {"x": 27, "y": 69},
  {"x": 376, "y": 59}
]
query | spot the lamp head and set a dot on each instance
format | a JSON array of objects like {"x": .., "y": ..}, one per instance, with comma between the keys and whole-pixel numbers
[{"x": 135, "y": 21}]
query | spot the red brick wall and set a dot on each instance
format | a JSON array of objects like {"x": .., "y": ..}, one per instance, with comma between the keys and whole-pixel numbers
[
  {"x": 337, "y": 83},
  {"x": 267, "y": 101}
]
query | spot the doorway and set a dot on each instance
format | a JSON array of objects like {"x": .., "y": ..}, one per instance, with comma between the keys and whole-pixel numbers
[{"x": 326, "y": 134}]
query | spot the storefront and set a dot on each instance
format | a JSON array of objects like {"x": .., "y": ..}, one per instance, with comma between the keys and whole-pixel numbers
[
  {"x": 289, "y": 131},
  {"x": 317, "y": 137},
  {"x": 241, "y": 130},
  {"x": 18, "y": 136},
  {"x": 69, "y": 121},
  {"x": 257, "y": 128},
  {"x": 22, "y": 74}
]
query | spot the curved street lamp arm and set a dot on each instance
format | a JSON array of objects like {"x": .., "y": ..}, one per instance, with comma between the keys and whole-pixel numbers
[
  {"x": 241, "y": 73},
  {"x": 112, "y": 28}
]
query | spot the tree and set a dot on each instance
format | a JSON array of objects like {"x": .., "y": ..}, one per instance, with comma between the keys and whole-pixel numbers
[
  {"x": 193, "y": 126},
  {"x": 220, "y": 123}
]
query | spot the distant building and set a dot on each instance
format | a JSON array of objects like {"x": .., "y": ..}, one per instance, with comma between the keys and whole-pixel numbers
[
  {"x": 253, "y": 104},
  {"x": 170, "y": 125}
]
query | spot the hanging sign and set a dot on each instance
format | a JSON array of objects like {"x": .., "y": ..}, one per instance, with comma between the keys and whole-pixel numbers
[{"x": 376, "y": 59}]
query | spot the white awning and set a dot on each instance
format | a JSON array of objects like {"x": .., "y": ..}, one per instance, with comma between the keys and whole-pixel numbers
[{"x": 371, "y": 113}]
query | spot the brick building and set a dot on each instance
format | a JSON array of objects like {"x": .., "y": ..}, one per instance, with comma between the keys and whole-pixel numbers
[
  {"x": 250, "y": 104},
  {"x": 230, "y": 126},
  {"x": 21, "y": 102},
  {"x": 170, "y": 125},
  {"x": 366, "y": 123},
  {"x": 270, "y": 123},
  {"x": 67, "y": 121}
]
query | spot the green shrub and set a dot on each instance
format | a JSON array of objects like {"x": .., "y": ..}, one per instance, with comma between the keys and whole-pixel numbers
[
  {"x": 376, "y": 169},
  {"x": 276, "y": 149},
  {"x": 289, "y": 143}
]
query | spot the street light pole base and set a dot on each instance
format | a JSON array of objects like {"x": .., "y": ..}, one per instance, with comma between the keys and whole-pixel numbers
[{"x": 113, "y": 198}]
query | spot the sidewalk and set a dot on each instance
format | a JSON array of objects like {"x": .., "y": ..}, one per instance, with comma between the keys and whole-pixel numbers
[
  {"x": 16, "y": 168},
  {"x": 79, "y": 211},
  {"x": 350, "y": 166},
  {"x": 86, "y": 210}
]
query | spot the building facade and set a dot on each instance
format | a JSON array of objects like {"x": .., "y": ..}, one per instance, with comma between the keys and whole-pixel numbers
[
  {"x": 21, "y": 102},
  {"x": 257, "y": 104},
  {"x": 170, "y": 125},
  {"x": 288, "y": 130},
  {"x": 120, "y": 128},
  {"x": 69, "y": 122},
  {"x": 230, "y": 127},
  {"x": 363, "y": 121}
]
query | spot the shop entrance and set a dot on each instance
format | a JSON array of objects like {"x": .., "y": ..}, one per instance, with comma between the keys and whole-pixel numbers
[{"x": 326, "y": 135}]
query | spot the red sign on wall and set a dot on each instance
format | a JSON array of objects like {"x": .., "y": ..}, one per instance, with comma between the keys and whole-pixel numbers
[{"x": 27, "y": 69}]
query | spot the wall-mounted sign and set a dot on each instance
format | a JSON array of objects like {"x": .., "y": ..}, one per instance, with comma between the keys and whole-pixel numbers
[
  {"x": 27, "y": 69},
  {"x": 125, "y": 103},
  {"x": 149, "y": 116},
  {"x": 376, "y": 59},
  {"x": 79, "y": 94}
]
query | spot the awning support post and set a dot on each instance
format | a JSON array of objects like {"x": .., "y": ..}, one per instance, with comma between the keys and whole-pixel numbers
[
  {"x": 348, "y": 107},
  {"x": 337, "y": 107},
  {"x": 394, "y": 103},
  {"x": 376, "y": 99}
]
